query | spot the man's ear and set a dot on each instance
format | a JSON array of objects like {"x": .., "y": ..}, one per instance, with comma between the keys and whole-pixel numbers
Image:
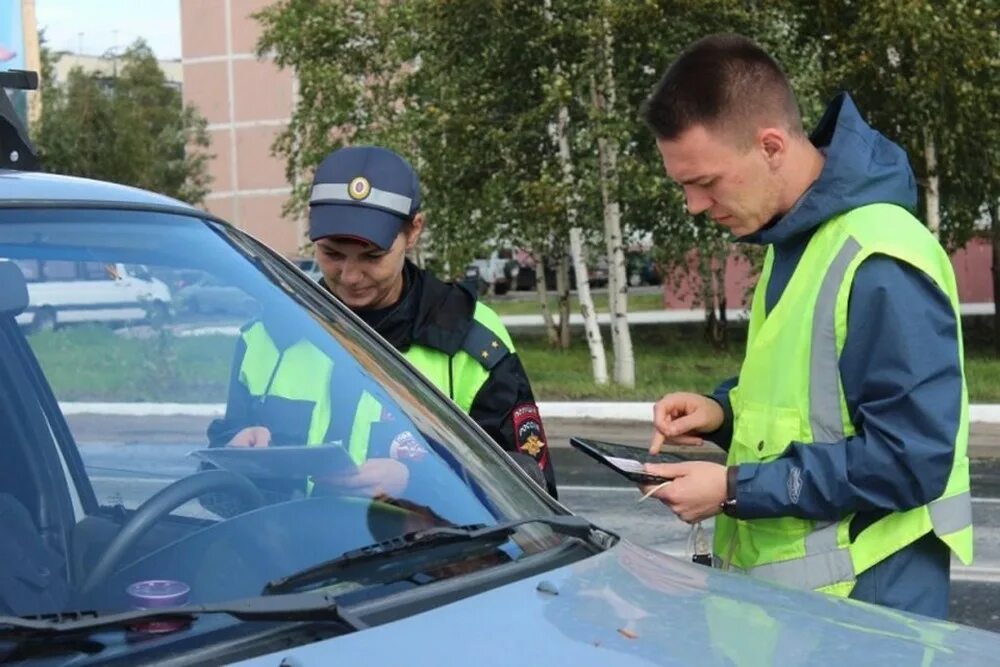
[
  {"x": 414, "y": 231},
  {"x": 773, "y": 144}
]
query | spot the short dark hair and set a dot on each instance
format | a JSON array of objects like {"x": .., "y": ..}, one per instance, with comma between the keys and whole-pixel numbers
[{"x": 722, "y": 82}]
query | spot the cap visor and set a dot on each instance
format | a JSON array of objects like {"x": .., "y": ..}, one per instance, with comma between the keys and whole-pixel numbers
[{"x": 361, "y": 222}]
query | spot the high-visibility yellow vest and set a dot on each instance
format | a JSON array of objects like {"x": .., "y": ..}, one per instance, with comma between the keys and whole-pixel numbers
[
  {"x": 299, "y": 373},
  {"x": 459, "y": 376},
  {"x": 789, "y": 390}
]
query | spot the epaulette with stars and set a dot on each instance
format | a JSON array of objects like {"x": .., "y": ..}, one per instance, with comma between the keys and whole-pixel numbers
[{"x": 484, "y": 346}]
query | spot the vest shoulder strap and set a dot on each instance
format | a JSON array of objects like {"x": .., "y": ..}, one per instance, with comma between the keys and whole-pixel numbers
[{"x": 485, "y": 346}]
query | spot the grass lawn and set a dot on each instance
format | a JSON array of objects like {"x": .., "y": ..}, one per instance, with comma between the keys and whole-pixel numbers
[
  {"x": 95, "y": 364},
  {"x": 530, "y": 306},
  {"x": 667, "y": 358},
  {"x": 92, "y": 363},
  {"x": 676, "y": 358}
]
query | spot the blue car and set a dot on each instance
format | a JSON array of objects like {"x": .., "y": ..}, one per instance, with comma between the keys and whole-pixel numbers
[{"x": 134, "y": 532}]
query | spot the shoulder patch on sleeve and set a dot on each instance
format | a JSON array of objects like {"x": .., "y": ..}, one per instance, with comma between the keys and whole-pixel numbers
[
  {"x": 484, "y": 346},
  {"x": 529, "y": 434}
]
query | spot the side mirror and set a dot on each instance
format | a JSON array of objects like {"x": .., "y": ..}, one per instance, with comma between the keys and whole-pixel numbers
[{"x": 13, "y": 289}]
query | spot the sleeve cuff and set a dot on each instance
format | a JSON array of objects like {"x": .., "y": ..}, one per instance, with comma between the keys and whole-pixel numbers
[
  {"x": 722, "y": 436},
  {"x": 756, "y": 494}
]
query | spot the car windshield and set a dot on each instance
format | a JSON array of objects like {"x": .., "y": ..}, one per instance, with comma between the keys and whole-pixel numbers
[{"x": 178, "y": 404}]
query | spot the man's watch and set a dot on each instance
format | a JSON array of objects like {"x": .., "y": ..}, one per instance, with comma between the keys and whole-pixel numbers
[{"x": 728, "y": 506}]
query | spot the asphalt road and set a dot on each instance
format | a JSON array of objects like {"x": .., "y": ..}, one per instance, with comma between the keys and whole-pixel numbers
[{"x": 585, "y": 487}]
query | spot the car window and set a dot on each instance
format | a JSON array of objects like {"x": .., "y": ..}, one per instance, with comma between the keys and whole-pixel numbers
[
  {"x": 30, "y": 269},
  {"x": 95, "y": 271},
  {"x": 59, "y": 270},
  {"x": 146, "y": 400}
]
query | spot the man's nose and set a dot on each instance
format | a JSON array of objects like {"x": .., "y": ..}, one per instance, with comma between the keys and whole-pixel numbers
[{"x": 696, "y": 199}]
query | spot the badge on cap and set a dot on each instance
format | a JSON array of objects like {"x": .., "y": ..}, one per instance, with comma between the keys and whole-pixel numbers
[{"x": 359, "y": 188}]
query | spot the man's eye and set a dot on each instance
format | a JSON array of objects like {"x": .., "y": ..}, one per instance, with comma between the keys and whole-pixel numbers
[
  {"x": 334, "y": 255},
  {"x": 374, "y": 257}
]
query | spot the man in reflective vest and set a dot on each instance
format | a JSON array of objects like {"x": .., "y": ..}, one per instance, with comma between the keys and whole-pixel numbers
[{"x": 847, "y": 427}]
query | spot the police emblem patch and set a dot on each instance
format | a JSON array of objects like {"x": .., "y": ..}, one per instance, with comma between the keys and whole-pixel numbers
[
  {"x": 533, "y": 445},
  {"x": 406, "y": 447},
  {"x": 528, "y": 431},
  {"x": 359, "y": 188}
]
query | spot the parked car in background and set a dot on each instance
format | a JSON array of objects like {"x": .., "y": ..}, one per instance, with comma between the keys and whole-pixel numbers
[
  {"x": 597, "y": 273},
  {"x": 78, "y": 291},
  {"x": 205, "y": 293},
  {"x": 496, "y": 273},
  {"x": 642, "y": 269}
]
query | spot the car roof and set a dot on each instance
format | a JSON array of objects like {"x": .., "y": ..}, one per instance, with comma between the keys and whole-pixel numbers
[{"x": 34, "y": 188}]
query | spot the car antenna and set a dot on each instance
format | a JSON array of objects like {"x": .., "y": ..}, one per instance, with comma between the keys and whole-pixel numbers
[{"x": 16, "y": 150}]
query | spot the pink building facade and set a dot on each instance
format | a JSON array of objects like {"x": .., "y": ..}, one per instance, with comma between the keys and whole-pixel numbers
[{"x": 247, "y": 102}]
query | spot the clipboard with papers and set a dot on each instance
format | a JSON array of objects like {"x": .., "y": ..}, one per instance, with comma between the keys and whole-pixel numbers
[{"x": 280, "y": 462}]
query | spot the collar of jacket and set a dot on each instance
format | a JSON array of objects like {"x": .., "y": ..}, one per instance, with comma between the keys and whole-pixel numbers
[{"x": 430, "y": 312}]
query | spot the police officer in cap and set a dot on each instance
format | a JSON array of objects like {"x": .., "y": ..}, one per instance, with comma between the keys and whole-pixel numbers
[{"x": 364, "y": 216}]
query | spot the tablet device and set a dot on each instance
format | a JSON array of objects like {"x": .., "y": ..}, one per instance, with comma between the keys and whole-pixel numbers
[
  {"x": 281, "y": 462},
  {"x": 625, "y": 460}
]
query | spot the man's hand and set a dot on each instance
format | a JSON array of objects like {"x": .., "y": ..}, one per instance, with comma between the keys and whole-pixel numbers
[
  {"x": 697, "y": 491},
  {"x": 254, "y": 436},
  {"x": 679, "y": 418},
  {"x": 375, "y": 477}
]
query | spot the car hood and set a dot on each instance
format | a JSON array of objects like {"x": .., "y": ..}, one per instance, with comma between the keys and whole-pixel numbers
[{"x": 634, "y": 606}]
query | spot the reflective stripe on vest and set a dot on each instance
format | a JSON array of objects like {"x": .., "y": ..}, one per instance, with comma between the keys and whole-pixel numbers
[
  {"x": 827, "y": 564},
  {"x": 300, "y": 373},
  {"x": 461, "y": 376},
  {"x": 368, "y": 412},
  {"x": 799, "y": 552}
]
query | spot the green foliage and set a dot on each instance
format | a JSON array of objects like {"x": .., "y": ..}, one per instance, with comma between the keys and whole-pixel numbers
[
  {"x": 350, "y": 68},
  {"x": 470, "y": 90},
  {"x": 924, "y": 71},
  {"x": 131, "y": 128}
]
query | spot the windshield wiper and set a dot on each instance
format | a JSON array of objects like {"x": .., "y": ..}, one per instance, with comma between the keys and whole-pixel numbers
[
  {"x": 295, "y": 607},
  {"x": 566, "y": 524}
]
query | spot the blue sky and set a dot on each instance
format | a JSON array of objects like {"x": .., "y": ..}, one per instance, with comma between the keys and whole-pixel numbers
[{"x": 93, "y": 23}]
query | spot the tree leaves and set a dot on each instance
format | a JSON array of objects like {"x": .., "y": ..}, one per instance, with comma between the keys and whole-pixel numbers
[{"x": 129, "y": 128}]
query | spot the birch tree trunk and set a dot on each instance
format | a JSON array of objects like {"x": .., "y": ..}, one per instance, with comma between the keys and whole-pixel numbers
[
  {"x": 607, "y": 153},
  {"x": 595, "y": 342},
  {"x": 577, "y": 250},
  {"x": 933, "y": 186},
  {"x": 562, "y": 283},
  {"x": 542, "y": 289}
]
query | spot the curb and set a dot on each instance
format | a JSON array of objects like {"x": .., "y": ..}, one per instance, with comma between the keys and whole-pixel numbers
[{"x": 591, "y": 410}]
